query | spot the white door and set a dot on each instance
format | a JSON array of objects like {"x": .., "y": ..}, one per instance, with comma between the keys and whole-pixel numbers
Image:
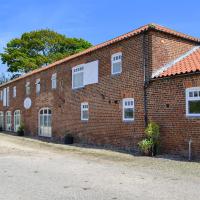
[{"x": 45, "y": 129}]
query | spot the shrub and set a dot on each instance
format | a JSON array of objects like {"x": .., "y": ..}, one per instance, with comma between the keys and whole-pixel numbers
[
  {"x": 151, "y": 143},
  {"x": 146, "y": 146},
  {"x": 20, "y": 131},
  {"x": 152, "y": 131}
]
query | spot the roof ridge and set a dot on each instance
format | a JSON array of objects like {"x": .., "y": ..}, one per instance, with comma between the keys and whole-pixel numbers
[{"x": 173, "y": 62}]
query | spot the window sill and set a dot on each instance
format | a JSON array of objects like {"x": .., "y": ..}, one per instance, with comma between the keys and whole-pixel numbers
[
  {"x": 193, "y": 116},
  {"x": 128, "y": 121},
  {"x": 116, "y": 74}
]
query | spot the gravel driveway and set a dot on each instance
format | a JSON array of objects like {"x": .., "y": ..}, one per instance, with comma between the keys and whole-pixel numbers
[{"x": 33, "y": 170}]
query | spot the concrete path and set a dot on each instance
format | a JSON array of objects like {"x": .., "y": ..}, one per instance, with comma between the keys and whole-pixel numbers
[{"x": 33, "y": 170}]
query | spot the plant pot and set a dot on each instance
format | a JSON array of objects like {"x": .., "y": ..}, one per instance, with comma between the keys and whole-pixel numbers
[
  {"x": 20, "y": 133},
  {"x": 68, "y": 139}
]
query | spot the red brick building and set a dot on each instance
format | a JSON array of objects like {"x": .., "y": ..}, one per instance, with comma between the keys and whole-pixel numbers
[{"x": 106, "y": 94}]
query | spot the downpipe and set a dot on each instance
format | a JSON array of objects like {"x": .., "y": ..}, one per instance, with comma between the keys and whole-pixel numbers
[{"x": 189, "y": 149}]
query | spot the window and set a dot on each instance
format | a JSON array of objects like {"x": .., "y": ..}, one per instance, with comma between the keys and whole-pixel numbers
[
  {"x": 14, "y": 91},
  {"x": 6, "y": 96},
  {"x": 1, "y": 121},
  {"x": 45, "y": 129},
  {"x": 8, "y": 121},
  {"x": 77, "y": 77},
  {"x": 17, "y": 120},
  {"x": 116, "y": 61},
  {"x": 28, "y": 89},
  {"x": 37, "y": 86},
  {"x": 53, "y": 81},
  {"x": 193, "y": 102},
  {"x": 128, "y": 109},
  {"x": 84, "y": 111},
  {"x": 85, "y": 74}
]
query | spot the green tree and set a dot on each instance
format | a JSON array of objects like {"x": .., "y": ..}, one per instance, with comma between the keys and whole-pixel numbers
[{"x": 39, "y": 48}]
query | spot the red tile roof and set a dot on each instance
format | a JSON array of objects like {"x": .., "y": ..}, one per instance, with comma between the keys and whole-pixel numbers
[
  {"x": 189, "y": 64},
  {"x": 109, "y": 42}
]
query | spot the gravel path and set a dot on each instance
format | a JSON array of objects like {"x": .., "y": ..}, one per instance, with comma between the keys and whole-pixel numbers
[{"x": 34, "y": 170}]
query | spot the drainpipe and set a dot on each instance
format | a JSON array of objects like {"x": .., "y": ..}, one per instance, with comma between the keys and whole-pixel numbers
[{"x": 189, "y": 149}]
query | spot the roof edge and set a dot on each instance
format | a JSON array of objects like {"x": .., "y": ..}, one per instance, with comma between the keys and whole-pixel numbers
[{"x": 157, "y": 73}]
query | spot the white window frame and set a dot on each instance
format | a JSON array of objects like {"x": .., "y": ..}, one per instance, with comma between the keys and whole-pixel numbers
[
  {"x": 28, "y": 88},
  {"x": 37, "y": 83},
  {"x": 84, "y": 107},
  {"x": 76, "y": 70},
  {"x": 14, "y": 91},
  {"x": 17, "y": 118},
  {"x": 114, "y": 60},
  {"x": 131, "y": 105},
  {"x": 45, "y": 131},
  {"x": 8, "y": 125},
  {"x": 54, "y": 81},
  {"x": 188, "y": 99}
]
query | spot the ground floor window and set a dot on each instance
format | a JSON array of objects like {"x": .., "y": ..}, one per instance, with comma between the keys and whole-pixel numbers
[
  {"x": 84, "y": 111},
  {"x": 45, "y": 128},
  {"x": 8, "y": 121},
  {"x": 17, "y": 120},
  {"x": 128, "y": 109},
  {"x": 1, "y": 121},
  {"x": 193, "y": 102}
]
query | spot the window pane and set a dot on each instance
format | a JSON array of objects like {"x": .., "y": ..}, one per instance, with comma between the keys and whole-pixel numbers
[
  {"x": 78, "y": 80},
  {"x": 194, "y": 107},
  {"x": 117, "y": 67},
  {"x": 128, "y": 113},
  {"x": 85, "y": 114}
]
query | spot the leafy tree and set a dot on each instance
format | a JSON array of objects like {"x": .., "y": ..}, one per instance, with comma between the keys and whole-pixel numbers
[{"x": 39, "y": 48}]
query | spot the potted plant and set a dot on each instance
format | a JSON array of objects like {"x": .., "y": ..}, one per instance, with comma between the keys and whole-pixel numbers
[
  {"x": 146, "y": 146},
  {"x": 20, "y": 130}
]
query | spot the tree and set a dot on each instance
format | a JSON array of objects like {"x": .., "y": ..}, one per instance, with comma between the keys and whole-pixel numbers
[{"x": 39, "y": 48}]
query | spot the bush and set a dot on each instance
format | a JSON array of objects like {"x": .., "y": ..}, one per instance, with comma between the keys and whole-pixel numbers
[
  {"x": 146, "y": 146},
  {"x": 152, "y": 131},
  {"x": 20, "y": 131},
  {"x": 151, "y": 143}
]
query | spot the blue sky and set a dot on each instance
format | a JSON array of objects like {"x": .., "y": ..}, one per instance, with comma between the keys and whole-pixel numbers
[{"x": 95, "y": 20}]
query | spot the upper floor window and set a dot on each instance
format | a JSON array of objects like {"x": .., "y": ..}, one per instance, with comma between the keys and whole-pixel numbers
[
  {"x": 6, "y": 96},
  {"x": 193, "y": 102},
  {"x": 53, "y": 81},
  {"x": 28, "y": 88},
  {"x": 14, "y": 91},
  {"x": 116, "y": 61},
  {"x": 37, "y": 86},
  {"x": 77, "y": 77},
  {"x": 128, "y": 109},
  {"x": 84, "y": 111}
]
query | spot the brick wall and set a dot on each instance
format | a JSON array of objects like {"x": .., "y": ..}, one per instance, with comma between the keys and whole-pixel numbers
[{"x": 167, "y": 107}]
